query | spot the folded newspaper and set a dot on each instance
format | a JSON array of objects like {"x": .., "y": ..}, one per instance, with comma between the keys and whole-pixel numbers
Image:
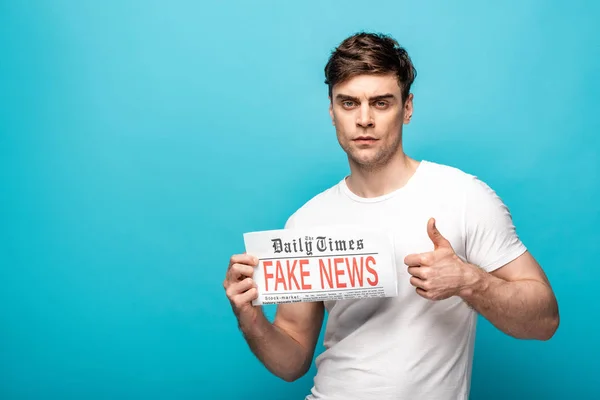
[{"x": 322, "y": 263}]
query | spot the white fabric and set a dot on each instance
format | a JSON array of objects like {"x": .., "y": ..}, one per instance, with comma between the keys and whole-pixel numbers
[{"x": 408, "y": 347}]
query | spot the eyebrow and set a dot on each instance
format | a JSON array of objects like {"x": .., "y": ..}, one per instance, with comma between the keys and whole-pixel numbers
[{"x": 356, "y": 99}]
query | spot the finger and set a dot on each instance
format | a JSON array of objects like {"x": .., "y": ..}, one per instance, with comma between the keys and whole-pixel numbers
[
  {"x": 422, "y": 293},
  {"x": 417, "y": 282},
  {"x": 238, "y": 288},
  {"x": 245, "y": 298},
  {"x": 240, "y": 271},
  {"x": 413, "y": 260},
  {"x": 418, "y": 272},
  {"x": 247, "y": 259},
  {"x": 436, "y": 237},
  {"x": 421, "y": 259}
]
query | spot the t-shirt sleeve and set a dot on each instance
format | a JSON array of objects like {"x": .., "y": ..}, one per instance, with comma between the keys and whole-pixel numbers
[
  {"x": 491, "y": 237},
  {"x": 290, "y": 223}
]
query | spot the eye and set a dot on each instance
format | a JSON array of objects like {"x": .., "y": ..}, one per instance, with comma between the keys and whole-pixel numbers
[
  {"x": 381, "y": 104},
  {"x": 348, "y": 104}
]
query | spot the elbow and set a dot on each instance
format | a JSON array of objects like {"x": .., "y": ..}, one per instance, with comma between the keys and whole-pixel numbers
[
  {"x": 290, "y": 378},
  {"x": 548, "y": 329},
  {"x": 550, "y": 322},
  {"x": 551, "y": 327},
  {"x": 542, "y": 330},
  {"x": 553, "y": 322},
  {"x": 293, "y": 376},
  {"x": 296, "y": 373}
]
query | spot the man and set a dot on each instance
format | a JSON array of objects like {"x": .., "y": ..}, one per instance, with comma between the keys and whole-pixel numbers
[{"x": 457, "y": 251}]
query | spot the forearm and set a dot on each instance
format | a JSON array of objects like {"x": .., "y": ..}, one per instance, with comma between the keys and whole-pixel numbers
[
  {"x": 278, "y": 351},
  {"x": 524, "y": 309}
]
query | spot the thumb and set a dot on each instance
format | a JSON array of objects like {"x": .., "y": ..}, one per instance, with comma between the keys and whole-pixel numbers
[{"x": 435, "y": 235}]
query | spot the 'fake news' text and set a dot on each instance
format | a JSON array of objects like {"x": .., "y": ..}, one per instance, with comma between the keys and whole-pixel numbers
[{"x": 333, "y": 273}]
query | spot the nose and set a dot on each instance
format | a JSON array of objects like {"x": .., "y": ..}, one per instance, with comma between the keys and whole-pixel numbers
[{"x": 365, "y": 119}]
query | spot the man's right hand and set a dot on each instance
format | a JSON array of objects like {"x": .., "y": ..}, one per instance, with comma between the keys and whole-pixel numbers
[
  {"x": 286, "y": 346},
  {"x": 240, "y": 288}
]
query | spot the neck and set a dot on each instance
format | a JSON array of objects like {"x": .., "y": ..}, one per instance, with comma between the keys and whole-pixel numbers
[{"x": 375, "y": 182}]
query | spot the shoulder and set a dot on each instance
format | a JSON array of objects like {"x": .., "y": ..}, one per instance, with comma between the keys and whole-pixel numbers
[
  {"x": 481, "y": 204},
  {"x": 450, "y": 177},
  {"x": 313, "y": 209},
  {"x": 461, "y": 188}
]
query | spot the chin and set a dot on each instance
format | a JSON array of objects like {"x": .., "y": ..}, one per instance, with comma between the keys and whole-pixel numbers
[
  {"x": 365, "y": 156},
  {"x": 366, "y": 162},
  {"x": 369, "y": 160}
]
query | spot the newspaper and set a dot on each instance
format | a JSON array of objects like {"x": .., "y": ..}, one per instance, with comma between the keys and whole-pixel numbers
[{"x": 322, "y": 263}]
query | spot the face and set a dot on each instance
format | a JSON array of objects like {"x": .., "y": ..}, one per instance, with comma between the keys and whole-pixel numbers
[{"x": 368, "y": 115}]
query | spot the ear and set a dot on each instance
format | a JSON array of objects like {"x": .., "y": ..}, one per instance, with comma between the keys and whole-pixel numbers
[
  {"x": 408, "y": 108},
  {"x": 331, "y": 111}
]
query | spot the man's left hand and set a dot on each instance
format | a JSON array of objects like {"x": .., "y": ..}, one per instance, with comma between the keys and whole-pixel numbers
[{"x": 440, "y": 274}]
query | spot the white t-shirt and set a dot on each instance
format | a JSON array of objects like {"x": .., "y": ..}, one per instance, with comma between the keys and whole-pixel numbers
[{"x": 408, "y": 347}]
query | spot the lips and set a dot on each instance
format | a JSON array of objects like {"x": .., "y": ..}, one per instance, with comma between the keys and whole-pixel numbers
[{"x": 364, "y": 140}]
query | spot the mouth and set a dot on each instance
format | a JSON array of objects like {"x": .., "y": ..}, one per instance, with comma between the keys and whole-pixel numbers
[{"x": 364, "y": 140}]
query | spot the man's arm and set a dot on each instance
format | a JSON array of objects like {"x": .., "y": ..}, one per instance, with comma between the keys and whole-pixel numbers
[
  {"x": 516, "y": 298},
  {"x": 286, "y": 346}
]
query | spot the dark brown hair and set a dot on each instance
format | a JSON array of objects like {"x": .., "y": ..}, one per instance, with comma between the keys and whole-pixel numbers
[{"x": 370, "y": 53}]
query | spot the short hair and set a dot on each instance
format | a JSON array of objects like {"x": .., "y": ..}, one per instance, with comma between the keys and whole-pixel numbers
[{"x": 370, "y": 53}]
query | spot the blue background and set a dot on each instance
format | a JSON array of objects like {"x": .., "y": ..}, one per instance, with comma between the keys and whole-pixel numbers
[{"x": 140, "y": 139}]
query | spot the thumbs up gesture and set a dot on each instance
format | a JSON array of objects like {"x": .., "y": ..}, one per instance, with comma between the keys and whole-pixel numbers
[{"x": 440, "y": 274}]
